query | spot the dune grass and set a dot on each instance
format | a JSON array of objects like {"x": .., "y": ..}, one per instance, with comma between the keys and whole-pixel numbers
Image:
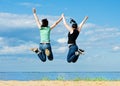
[
  {"x": 61, "y": 78},
  {"x": 91, "y": 79}
]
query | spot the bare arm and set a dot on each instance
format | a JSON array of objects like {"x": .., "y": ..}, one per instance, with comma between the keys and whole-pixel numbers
[
  {"x": 82, "y": 23},
  {"x": 36, "y": 18},
  {"x": 66, "y": 25},
  {"x": 51, "y": 27}
]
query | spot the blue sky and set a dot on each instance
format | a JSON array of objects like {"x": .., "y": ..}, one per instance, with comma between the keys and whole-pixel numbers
[{"x": 100, "y": 36}]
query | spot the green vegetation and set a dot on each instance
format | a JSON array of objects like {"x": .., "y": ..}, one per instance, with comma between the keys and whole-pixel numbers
[
  {"x": 90, "y": 79},
  {"x": 61, "y": 78},
  {"x": 77, "y": 79},
  {"x": 45, "y": 79}
]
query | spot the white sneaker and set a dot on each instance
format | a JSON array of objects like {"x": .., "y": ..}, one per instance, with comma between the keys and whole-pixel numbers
[{"x": 78, "y": 53}]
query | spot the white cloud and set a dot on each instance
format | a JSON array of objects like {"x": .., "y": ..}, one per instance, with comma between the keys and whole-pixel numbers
[
  {"x": 89, "y": 25},
  {"x": 100, "y": 33},
  {"x": 15, "y": 21},
  {"x": 106, "y": 29},
  {"x": 62, "y": 40},
  {"x": 23, "y": 47},
  {"x": 18, "y": 49},
  {"x": 61, "y": 49},
  {"x": 116, "y": 48},
  {"x": 23, "y": 21},
  {"x": 28, "y": 4},
  {"x": 89, "y": 32}
]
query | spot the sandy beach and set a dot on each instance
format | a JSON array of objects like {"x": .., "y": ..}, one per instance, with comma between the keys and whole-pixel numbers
[{"x": 59, "y": 83}]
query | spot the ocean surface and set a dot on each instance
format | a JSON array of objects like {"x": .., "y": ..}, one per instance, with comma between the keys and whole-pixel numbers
[{"x": 26, "y": 76}]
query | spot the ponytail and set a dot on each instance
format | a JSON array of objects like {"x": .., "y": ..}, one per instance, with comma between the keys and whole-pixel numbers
[{"x": 74, "y": 24}]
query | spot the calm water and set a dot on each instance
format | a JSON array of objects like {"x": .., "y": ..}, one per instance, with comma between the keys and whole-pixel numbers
[{"x": 25, "y": 76}]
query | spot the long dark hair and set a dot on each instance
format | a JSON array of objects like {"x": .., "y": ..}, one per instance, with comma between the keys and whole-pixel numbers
[
  {"x": 44, "y": 23},
  {"x": 74, "y": 24}
]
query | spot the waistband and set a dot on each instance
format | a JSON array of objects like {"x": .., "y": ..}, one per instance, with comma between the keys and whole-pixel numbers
[
  {"x": 44, "y": 43},
  {"x": 69, "y": 45}
]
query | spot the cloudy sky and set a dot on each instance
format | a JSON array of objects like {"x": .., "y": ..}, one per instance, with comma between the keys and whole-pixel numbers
[{"x": 100, "y": 36}]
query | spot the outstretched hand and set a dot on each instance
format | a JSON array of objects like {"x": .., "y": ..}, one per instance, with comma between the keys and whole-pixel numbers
[
  {"x": 62, "y": 15},
  {"x": 34, "y": 10},
  {"x": 86, "y": 17}
]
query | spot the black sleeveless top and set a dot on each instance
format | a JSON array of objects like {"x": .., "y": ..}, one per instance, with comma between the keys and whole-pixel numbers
[{"x": 72, "y": 37}]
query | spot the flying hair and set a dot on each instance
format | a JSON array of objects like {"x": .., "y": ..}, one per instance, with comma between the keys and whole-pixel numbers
[{"x": 73, "y": 22}]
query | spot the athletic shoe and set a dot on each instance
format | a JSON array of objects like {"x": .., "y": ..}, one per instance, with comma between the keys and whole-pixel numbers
[
  {"x": 78, "y": 53},
  {"x": 47, "y": 52},
  {"x": 35, "y": 50},
  {"x": 81, "y": 50}
]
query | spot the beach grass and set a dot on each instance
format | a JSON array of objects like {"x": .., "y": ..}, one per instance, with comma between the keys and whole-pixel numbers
[
  {"x": 61, "y": 78},
  {"x": 45, "y": 79},
  {"x": 90, "y": 79},
  {"x": 61, "y": 81}
]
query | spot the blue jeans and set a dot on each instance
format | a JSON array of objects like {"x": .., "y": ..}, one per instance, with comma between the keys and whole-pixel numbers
[
  {"x": 71, "y": 57},
  {"x": 42, "y": 55}
]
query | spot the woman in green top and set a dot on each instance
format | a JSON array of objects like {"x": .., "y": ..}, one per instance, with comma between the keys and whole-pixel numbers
[{"x": 44, "y": 47}]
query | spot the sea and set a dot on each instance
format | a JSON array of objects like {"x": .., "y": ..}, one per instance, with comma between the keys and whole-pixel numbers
[{"x": 28, "y": 76}]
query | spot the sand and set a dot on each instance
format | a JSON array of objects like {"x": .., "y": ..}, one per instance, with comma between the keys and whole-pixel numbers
[{"x": 59, "y": 83}]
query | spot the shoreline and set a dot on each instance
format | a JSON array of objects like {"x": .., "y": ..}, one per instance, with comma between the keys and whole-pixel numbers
[{"x": 59, "y": 83}]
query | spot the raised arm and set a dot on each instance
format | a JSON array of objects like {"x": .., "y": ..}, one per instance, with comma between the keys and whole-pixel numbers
[
  {"x": 66, "y": 25},
  {"x": 36, "y": 18},
  {"x": 82, "y": 23},
  {"x": 51, "y": 27}
]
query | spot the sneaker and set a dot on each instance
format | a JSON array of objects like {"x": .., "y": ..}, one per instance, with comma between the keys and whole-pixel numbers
[
  {"x": 78, "y": 53},
  {"x": 81, "y": 50},
  {"x": 34, "y": 50},
  {"x": 47, "y": 52}
]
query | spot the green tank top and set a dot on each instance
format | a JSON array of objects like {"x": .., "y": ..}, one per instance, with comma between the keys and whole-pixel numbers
[{"x": 45, "y": 34}]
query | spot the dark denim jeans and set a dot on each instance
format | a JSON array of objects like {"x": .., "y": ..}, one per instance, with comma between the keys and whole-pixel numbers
[
  {"x": 42, "y": 55},
  {"x": 71, "y": 57}
]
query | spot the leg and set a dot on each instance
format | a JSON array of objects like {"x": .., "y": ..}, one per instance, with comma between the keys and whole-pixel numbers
[
  {"x": 75, "y": 59},
  {"x": 50, "y": 56},
  {"x": 42, "y": 55},
  {"x": 71, "y": 54}
]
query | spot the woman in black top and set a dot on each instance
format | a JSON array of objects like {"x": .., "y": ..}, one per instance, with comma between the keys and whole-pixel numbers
[{"x": 74, "y": 31}]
